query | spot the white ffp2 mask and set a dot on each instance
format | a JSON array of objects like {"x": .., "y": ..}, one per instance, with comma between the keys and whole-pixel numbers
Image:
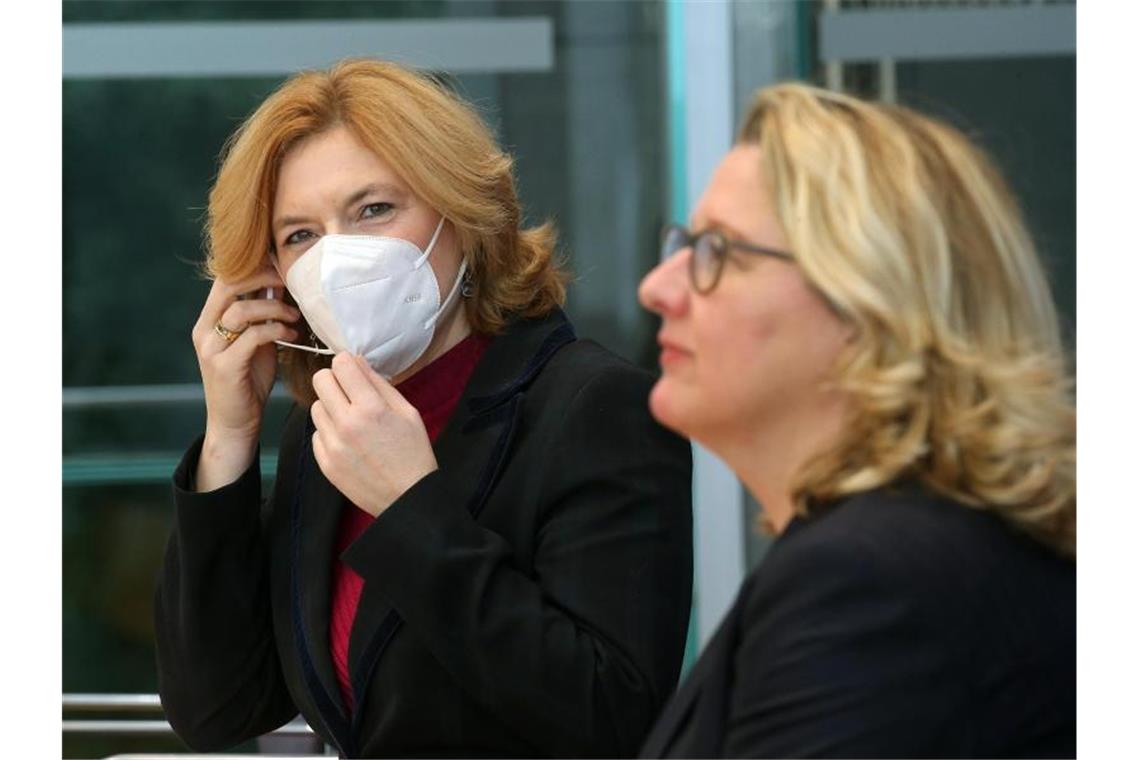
[{"x": 370, "y": 295}]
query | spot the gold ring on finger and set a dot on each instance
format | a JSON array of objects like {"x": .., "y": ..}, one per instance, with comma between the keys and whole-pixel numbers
[{"x": 229, "y": 335}]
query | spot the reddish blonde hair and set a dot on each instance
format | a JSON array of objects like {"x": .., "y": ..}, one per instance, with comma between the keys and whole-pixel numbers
[{"x": 434, "y": 141}]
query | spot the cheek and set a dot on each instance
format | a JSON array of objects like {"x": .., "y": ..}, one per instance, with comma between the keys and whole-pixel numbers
[
  {"x": 815, "y": 332},
  {"x": 736, "y": 340},
  {"x": 285, "y": 262},
  {"x": 793, "y": 351},
  {"x": 700, "y": 393},
  {"x": 768, "y": 349}
]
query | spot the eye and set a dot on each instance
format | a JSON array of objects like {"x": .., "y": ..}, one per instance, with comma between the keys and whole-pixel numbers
[
  {"x": 373, "y": 210},
  {"x": 297, "y": 237}
]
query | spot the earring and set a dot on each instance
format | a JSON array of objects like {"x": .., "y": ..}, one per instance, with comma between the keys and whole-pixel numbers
[{"x": 467, "y": 289}]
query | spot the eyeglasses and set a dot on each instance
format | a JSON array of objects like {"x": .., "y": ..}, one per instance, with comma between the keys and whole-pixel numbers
[{"x": 710, "y": 249}]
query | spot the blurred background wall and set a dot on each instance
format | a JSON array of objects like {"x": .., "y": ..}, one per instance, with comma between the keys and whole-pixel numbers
[{"x": 616, "y": 112}]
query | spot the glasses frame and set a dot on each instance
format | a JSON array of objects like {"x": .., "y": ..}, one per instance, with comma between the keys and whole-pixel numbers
[{"x": 718, "y": 247}]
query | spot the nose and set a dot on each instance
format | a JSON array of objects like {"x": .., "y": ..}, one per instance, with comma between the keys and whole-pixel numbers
[{"x": 665, "y": 290}]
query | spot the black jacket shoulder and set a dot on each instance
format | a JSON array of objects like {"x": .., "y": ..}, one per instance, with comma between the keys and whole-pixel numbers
[
  {"x": 892, "y": 623},
  {"x": 586, "y": 366},
  {"x": 954, "y": 632}
]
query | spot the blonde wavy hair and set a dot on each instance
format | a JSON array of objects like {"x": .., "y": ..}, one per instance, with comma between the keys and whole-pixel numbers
[
  {"x": 438, "y": 146},
  {"x": 956, "y": 371}
]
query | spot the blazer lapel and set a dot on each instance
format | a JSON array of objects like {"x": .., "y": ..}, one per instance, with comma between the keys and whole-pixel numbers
[
  {"x": 470, "y": 451},
  {"x": 673, "y": 717},
  {"x": 698, "y": 699},
  {"x": 315, "y": 518}
]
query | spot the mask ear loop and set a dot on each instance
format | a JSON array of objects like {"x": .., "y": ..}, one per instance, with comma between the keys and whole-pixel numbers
[
  {"x": 459, "y": 281},
  {"x": 430, "y": 323},
  {"x": 269, "y": 294},
  {"x": 431, "y": 243},
  {"x": 310, "y": 349}
]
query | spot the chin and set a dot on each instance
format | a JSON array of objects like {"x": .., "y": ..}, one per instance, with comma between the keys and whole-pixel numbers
[{"x": 667, "y": 406}]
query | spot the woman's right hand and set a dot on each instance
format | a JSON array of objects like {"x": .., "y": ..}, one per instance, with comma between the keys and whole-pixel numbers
[{"x": 237, "y": 376}]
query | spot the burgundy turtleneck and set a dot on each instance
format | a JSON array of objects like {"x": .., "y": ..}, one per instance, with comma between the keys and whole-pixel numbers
[{"x": 433, "y": 391}]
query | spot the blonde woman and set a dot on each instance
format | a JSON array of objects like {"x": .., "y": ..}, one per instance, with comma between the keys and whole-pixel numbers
[
  {"x": 478, "y": 541},
  {"x": 858, "y": 324}
]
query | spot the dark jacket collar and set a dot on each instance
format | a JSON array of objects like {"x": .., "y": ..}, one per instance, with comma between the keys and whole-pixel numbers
[{"x": 514, "y": 358}]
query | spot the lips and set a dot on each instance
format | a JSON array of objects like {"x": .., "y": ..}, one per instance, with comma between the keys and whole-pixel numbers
[{"x": 671, "y": 352}]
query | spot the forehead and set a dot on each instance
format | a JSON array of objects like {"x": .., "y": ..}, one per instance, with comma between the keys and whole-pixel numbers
[
  {"x": 329, "y": 164},
  {"x": 736, "y": 193}
]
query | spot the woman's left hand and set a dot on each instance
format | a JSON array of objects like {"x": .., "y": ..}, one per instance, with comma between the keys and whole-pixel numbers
[{"x": 370, "y": 442}]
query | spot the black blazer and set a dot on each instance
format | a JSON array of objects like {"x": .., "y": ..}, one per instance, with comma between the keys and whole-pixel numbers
[
  {"x": 894, "y": 624},
  {"x": 530, "y": 597}
]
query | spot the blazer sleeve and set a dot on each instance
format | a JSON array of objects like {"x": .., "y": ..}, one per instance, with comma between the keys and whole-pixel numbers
[
  {"x": 219, "y": 675},
  {"x": 839, "y": 656},
  {"x": 579, "y": 656}
]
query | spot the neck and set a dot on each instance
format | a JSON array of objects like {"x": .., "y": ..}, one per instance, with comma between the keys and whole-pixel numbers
[
  {"x": 767, "y": 454},
  {"x": 450, "y": 330}
]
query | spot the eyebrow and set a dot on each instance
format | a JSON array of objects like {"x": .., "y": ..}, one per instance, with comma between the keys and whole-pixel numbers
[
  {"x": 719, "y": 226},
  {"x": 378, "y": 188}
]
